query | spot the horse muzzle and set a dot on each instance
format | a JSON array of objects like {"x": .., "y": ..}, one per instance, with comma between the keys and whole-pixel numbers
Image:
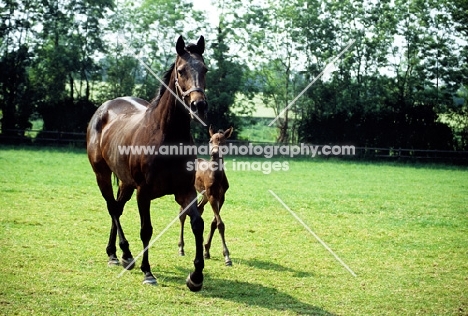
[{"x": 199, "y": 108}]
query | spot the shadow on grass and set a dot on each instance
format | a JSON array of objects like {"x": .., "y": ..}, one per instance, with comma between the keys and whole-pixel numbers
[
  {"x": 248, "y": 293},
  {"x": 254, "y": 294},
  {"x": 266, "y": 265}
]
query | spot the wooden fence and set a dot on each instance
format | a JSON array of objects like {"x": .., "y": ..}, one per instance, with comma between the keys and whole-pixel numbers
[{"x": 58, "y": 138}]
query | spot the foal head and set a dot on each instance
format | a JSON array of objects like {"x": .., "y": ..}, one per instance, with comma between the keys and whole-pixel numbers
[
  {"x": 218, "y": 139},
  {"x": 189, "y": 76}
]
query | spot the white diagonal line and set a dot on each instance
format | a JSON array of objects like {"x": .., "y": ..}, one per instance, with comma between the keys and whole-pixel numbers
[
  {"x": 162, "y": 232},
  {"x": 313, "y": 234},
  {"x": 327, "y": 67},
  {"x": 170, "y": 90}
]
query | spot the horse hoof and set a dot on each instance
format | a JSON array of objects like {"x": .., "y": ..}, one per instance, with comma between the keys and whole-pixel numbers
[
  {"x": 181, "y": 253},
  {"x": 113, "y": 262},
  {"x": 128, "y": 264},
  {"x": 194, "y": 287},
  {"x": 207, "y": 255},
  {"x": 228, "y": 263},
  {"x": 151, "y": 280}
]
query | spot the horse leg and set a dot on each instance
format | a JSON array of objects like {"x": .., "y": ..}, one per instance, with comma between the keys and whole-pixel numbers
[
  {"x": 182, "y": 218},
  {"x": 221, "y": 228},
  {"x": 124, "y": 194},
  {"x": 111, "y": 250},
  {"x": 195, "y": 279},
  {"x": 103, "y": 178},
  {"x": 146, "y": 231}
]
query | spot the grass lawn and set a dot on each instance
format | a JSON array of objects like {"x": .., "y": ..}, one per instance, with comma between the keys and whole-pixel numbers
[{"x": 403, "y": 229}]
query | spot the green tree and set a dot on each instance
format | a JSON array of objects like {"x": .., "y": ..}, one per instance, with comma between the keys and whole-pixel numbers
[
  {"x": 228, "y": 77},
  {"x": 223, "y": 81},
  {"x": 16, "y": 93},
  {"x": 70, "y": 36},
  {"x": 396, "y": 80}
]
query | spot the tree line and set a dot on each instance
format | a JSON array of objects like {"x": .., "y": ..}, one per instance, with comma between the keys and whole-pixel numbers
[{"x": 401, "y": 84}]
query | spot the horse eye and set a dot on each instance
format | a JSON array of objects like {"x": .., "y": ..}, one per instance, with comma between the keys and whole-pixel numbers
[{"x": 181, "y": 70}]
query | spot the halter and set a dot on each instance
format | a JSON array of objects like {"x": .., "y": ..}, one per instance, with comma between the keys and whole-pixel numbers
[{"x": 184, "y": 94}]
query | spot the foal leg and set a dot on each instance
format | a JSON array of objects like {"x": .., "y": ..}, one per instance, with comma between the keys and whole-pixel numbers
[
  {"x": 221, "y": 227},
  {"x": 201, "y": 204},
  {"x": 182, "y": 218},
  {"x": 210, "y": 238},
  {"x": 219, "y": 224},
  {"x": 195, "y": 279},
  {"x": 213, "y": 202}
]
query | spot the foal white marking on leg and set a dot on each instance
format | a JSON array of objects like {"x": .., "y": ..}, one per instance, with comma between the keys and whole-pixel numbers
[
  {"x": 313, "y": 234},
  {"x": 162, "y": 232}
]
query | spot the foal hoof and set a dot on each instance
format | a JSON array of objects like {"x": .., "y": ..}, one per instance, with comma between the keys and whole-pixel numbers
[
  {"x": 228, "y": 263},
  {"x": 128, "y": 264},
  {"x": 194, "y": 287},
  {"x": 150, "y": 280}
]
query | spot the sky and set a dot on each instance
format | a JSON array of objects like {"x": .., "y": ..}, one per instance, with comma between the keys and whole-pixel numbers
[{"x": 206, "y": 5}]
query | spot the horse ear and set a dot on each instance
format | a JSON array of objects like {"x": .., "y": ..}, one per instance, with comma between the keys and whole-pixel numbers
[
  {"x": 228, "y": 132},
  {"x": 212, "y": 132},
  {"x": 180, "y": 46},
  {"x": 201, "y": 45}
]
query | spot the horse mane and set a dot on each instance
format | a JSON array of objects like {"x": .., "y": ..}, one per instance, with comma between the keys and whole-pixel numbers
[{"x": 162, "y": 88}]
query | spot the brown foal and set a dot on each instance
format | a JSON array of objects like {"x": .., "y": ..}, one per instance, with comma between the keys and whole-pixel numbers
[{"x": 211, "y": 179}]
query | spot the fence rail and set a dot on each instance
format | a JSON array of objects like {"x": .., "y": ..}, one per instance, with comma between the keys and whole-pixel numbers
[
  {"x": 59, "y": 138},
  {"x": 39, "y": 137}
]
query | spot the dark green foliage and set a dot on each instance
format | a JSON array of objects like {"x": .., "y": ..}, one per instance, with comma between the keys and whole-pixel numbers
[
  {"x": 16, "y": 92},
  {"x": 223, "y": 81},
  {"x": 416, "y": 127},
  {"x": 70, "y": 115},
  {"x": 401, "y": 84}
]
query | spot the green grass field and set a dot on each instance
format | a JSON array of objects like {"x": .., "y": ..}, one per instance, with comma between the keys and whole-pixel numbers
[{"x": 403, "y": 229}]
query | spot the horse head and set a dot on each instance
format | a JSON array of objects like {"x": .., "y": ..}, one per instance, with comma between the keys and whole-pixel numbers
[{"x": 190, "y": 71}]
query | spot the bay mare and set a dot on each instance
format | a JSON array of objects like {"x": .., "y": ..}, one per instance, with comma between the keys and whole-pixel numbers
[{"x": 130, "y": 121}]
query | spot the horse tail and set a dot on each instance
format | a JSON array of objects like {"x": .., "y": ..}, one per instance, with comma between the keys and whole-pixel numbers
[{"x": 116, "y": 179}]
